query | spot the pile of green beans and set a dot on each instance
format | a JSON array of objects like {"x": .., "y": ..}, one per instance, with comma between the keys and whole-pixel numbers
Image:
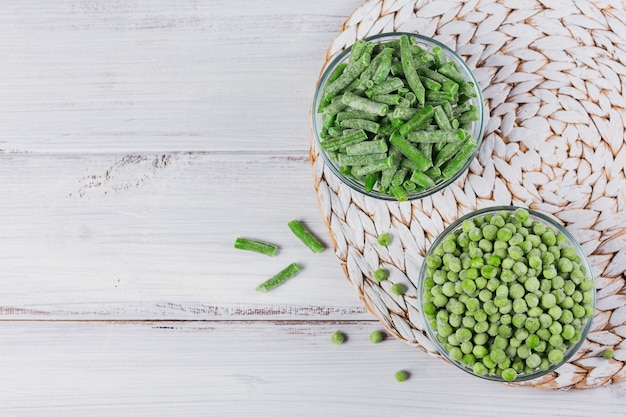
[
  {"x": 395, "y": 117},
  {"x": 506, "y": 294}
]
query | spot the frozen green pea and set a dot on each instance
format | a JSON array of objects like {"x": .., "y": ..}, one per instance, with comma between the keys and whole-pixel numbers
[
  {"x": 381, "y": 274},
  {"x": 497, "y": 355},
  {"x": 337, "y": 338},
  {"x": 479, "y": 368},
  {"x": 548, "y": 300},
  {"x": 516, "y": 291},
  {"x": 532, "y": 324},
  {"x": 399, "y": 289},
  {"x": 402, "y": 376},
  {"x": 555, "y": 356},
  {"x": 608, "y": 353},
  {"x": 545, "y": 320}
]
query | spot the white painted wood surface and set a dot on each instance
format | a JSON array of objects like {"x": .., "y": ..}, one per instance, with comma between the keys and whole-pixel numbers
[{"x": 137, "y": 140}]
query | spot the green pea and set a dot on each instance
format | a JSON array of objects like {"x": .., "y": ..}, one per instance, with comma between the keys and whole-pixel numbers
[
  {"x": 531, "y": 299},
  {"x": 533, "y": 361},
  {"x": 519, "y": 305},
  {"x": 534, "y": 312},
  {"x": 544, "y": 334},
  {"x": 532, "y": 341},
  {"x": 523, "y": 352},
  {"x": 337, "y": 338},
  {"x": 399, "y": 289},
  {"x": 490, "y": 232},
  {"x": 555, "y": 340},
  {"x": 515, "y": 252},
  {"x": 516, "y": 291},
  {"x": 377, "y": 336},
  {"x": 479, "y": 368},
  {"x": 402, "y": 376},
  {"x": 467, "y": 347},
  {"x": 545, "y": 320},
  {"x": 475, "y": 234},
  {"x": 488, "y": 362},
  {"x": 489, "y": 271},
  {"x": 504, "y": 234},
  {"x": 608, "y": 353},
  {"x": 497, "y": 355},
  {"x": 532, "y": 324},
  {"x": 455, "y": 320},
  {"x": 481, "y": 327},
  {"x": 555, "y": 356},
  {"x": 548, "y": 300},
  {"x": 566, "y": 316},
  {"x": 430, "y": 309},
  {"x": 532, "y": 284},
  {"x": 439, "y": 277},
  {"x": 481, "y": 338},
  {"x": 469, "y": 286},
  {"x": 448, "y": 289},
  {"x": 518, "y": 320},
  {"x": 468, "y": 359},
  {"x": 568, "y": 332},
  {"x": 381, "y": 274}
]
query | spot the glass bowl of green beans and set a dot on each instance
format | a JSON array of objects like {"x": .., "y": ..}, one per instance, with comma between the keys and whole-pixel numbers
[
  {"x": 398, "y": 116},
  {"x": 506, "y": 294}
]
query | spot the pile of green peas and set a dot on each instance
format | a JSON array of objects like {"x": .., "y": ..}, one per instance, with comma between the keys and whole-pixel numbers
[{"x": 506, "y": 294}]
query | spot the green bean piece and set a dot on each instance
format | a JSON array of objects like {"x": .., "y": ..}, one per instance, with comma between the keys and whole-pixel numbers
[
  {"x": 370, "y": 181},
  {"x": 369, "y": 159},
  {"x": 387, "y": 175},
  {"x": 399, "y": 176},
  {"x": 362, "y": 124},
  {"x": 368, "y": 147},
  {"x": 305, "y": 236},
  {"x": 410, "y": 151},
  {"x": 385, "y": 87},
  {"x": 389, "y": 99},
  {"x": 451, "y": 71},
  {"x": 410, "y": 73},
  {"x": 348, "y": 76},
  {"x": 455, "y": 164},
  {"x": 341, "y": 116},
  {"x": 441, "y": 96},
  {"x": 447, "y": 108},
  {"x": 447, "y": 152},
  {"x": 383, "y": 69},
  {"x": 398, "y": 192},
  {"x": 436, "y": 136},
  {"x": 469, "y": 116},
  {"x": 421, "y": 179},
  {"x": 404, "y": 113},
  {"x": 429, "y": 84},
  {"x": 337, "y": 338},
  {"x": 419, "y": 120},
  {"x": 337, "y": 143},
  {"x": 361, "y": 171},
  {"x": 377, "y": 336},
  {"x": 256, "y": 246},
  {"x": 363, "y": 104},
  {"x": 409, "y": 185},
  {"x": 280, "y": 278},
  {"x": 439, "y": 55},
  {"x": 368, "y": 73},
  {"x": 423, "y": 59},
  {"x": 441, "y": 118}
]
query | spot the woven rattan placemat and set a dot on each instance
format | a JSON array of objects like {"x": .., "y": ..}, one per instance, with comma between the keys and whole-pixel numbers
[{"x": 553, "y": 74}]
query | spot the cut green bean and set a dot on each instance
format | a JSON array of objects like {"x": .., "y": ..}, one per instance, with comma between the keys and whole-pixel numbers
[
  {"x": 447, "y": 152},
  {"x": 341, "y": 116},
  {"x": 462, "y": 156},
  {"x": 280, "y": 278},
  {"x": 256, "y": 246},
  {"x": 389, "y": 99},
  {"x": 369, "y": 159},
  {"x": 362, "y": 124},
  {"x": 370, "y": 181},
  {"x": 436, "y": 136},
  {"x": 360, "y": 171},
  {"x": 420, "y": 178},
  {"x": 368, "y": 147},
  {"x": 419, "y": 120},
  {"x": 408, "y": 67},
  {"x": 349, "y": 75},
  {"x": 441, "y": 118},
  {"x": 337, "y": 143},
  {"x": 364, "y": 104},
  {"x": 305, "y": 236},
  {"x": 410, "y": 151},
  {"x": 386, "y": 87}
]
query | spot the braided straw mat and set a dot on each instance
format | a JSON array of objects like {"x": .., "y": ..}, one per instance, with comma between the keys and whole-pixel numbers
[{"x": 553, "y": 73}]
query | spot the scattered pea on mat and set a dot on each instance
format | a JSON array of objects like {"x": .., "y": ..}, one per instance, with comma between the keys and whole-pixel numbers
[
  {"x": 390, "y": 100},
  {"x": 608, "y": 353},
  {"x": 384, "y": 239},
  {"x": 305, "y": 236},
  {"x": 256, "y": 246},
  {"x": 402, "y": 376},
  {"x": 337, "y": 338},
  {"x": 507, "y": 295},
  {"x": 280, "y": 278},
  {"x": 381, "y": 274},
  {"x": 377, "y": 336},
  {"x": 398, "y": 289}
]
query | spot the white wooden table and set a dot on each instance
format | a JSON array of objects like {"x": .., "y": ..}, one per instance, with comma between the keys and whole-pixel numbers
[{"x": 138, "y": 139}]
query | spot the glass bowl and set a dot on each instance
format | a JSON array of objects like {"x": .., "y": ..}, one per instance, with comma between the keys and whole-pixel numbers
[
  {"x": 475, "y": 129},
  {"x": 505, "y": 314}
]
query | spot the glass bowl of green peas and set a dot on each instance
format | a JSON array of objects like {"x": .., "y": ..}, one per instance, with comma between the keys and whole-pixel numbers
[
  {"x": 398, "y": 116},
  {"x": 507, "y": 294}
]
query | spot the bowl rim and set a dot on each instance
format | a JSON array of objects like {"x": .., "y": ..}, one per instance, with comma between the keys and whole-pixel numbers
[
  {"x": 522, "y": 377},
  {"x": 357, "y": 185}
]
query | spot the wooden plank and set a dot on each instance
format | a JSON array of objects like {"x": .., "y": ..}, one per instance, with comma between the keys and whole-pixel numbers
[
  {"x": 251, "y": 368},
  {"x": 133, "y": 76},
  {"x": 149, "y": 236}
]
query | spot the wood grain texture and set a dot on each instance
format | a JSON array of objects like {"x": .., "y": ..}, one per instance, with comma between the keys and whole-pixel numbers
[
  {"x": 251, "y": 368},
  {"x": 151, "y": 235},
  {"x": 132, "y": 76}
]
